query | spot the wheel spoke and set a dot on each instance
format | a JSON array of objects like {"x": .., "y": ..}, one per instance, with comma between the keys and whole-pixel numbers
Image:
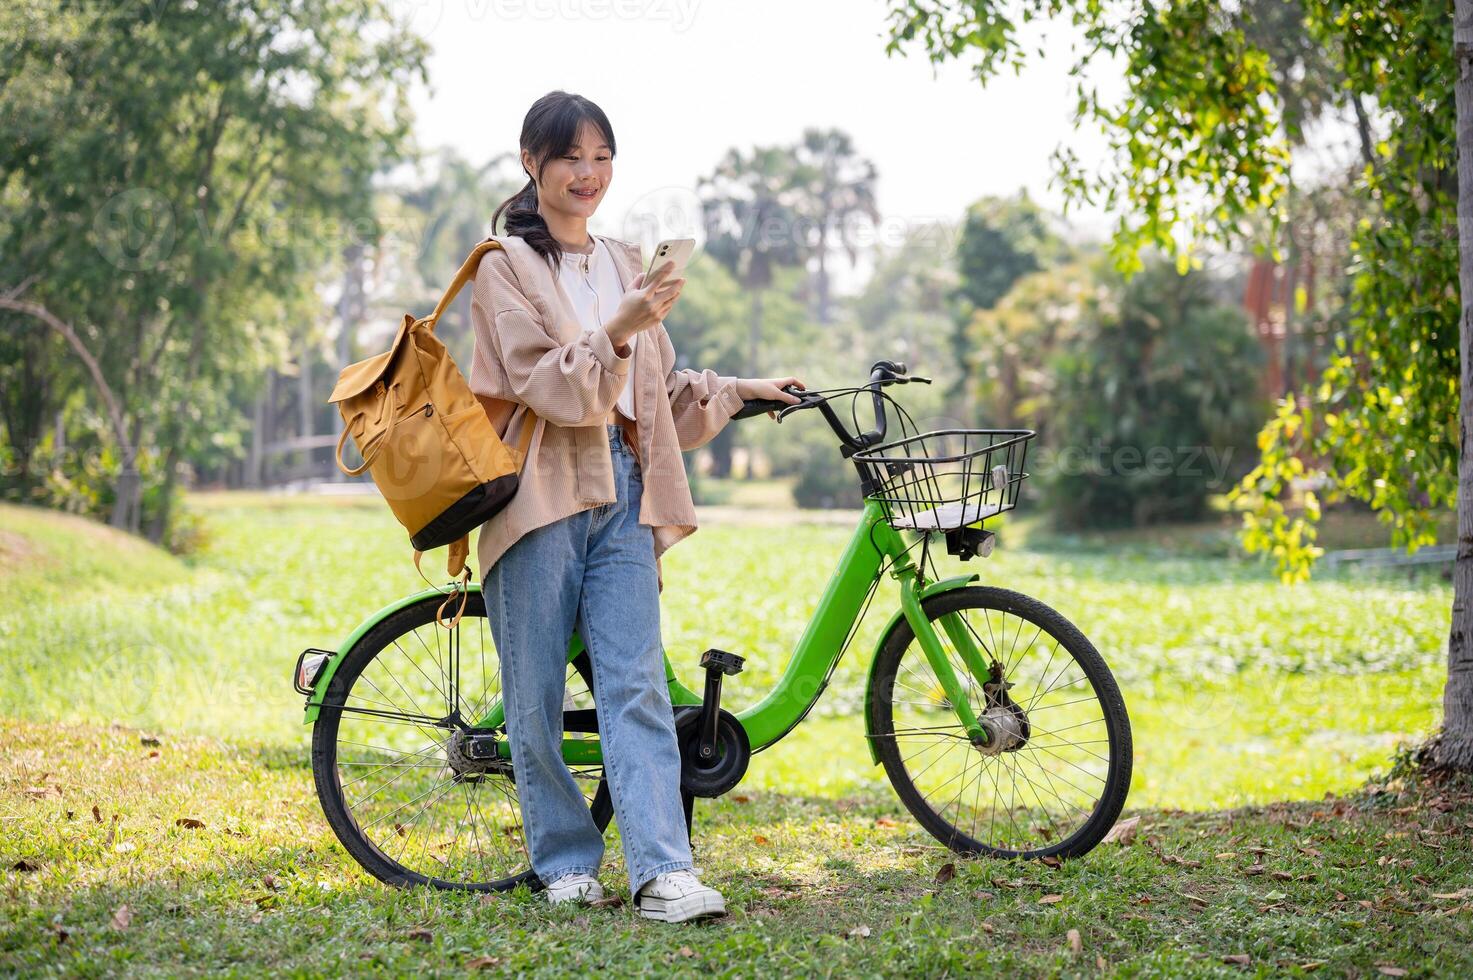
[
  {"x": 1027, "y": 798},
  {"x": 408, "y": 814}
]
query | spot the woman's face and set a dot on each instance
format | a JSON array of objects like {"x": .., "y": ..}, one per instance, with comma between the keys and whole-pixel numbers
[{"x": 575, "y": 182}]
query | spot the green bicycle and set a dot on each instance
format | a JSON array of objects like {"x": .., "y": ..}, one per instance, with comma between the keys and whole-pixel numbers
[{"x": 996, "y": 721}]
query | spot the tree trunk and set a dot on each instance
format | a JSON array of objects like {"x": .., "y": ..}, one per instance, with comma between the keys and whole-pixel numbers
[
  {"x": 349, "y": 310},
  {"x": 1455, "y": 745},
  {"x": 823, "y": 271},
  {"x": 306, "y": 406},
  {"x": 720, "y": 447}
]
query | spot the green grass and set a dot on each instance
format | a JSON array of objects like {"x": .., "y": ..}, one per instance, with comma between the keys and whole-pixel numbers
[
  {"x": 1242, "y": 693},
  {"x": 1240, "y": 690},
  {"x": 815, "y": 885}
]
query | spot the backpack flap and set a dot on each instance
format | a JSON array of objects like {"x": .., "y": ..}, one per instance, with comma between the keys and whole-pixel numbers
[{"x": 355, "y": 378}]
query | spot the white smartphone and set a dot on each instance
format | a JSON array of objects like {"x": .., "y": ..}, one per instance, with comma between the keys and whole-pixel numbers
[{"x": 677, "y": 250}]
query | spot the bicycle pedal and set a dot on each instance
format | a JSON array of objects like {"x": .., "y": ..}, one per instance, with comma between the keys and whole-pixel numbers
[{"x": 727, "y": 663}]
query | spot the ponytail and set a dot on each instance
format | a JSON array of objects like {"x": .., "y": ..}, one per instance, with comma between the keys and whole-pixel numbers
[{"x": 526, "y": 222}]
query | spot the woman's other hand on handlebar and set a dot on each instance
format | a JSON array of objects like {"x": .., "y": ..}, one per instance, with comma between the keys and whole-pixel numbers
[
  {"x": 769, "y": 389},
  {"x": 644, "y": 304}
]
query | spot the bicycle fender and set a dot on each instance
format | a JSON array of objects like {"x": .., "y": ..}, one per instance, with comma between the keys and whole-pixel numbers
[
  {"x": 940, "y": 585},
  {"x": 324, "y": 677}
]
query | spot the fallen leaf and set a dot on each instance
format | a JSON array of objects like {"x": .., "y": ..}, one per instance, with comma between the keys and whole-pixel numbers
[
  {"x": 23, "y": 866},
  {"x": 1050, "y": 899},
  {"x": 1459, "y": 894},
  {"x": 189, "y": 823},
  {"x": 1275, "y": 896},
  {"x": 987, "y": 927},
  {"x": 945, "y": 873},
  {"x": 423, "y": 935},
  {"x": 1051, "y": 861},
  {"x": 607, "y": 902},
  {"x": 759, "y": 839},
  {"x": 1281, "y": 876},
  {"x": 859, "y": 932},
  {"x": 687, "y": 951},
  {"x": 1123, "y": 832},
  {"x": 1227, "y": 855},
  {"x": 884, "y": 822},
  {"x": 125, "y": 846},
  {"x": 1076, "y": 944},
  {"x": 1390, "y": 971},
  {"x": 122, "y": 917},
  {"x": 1241, "y": 959},
  {"x": 269, "y": 882},
  {"x": 483, "y": 963},
  {"x": 96, "y": 813},
  {"x": 149, "y": 741}
]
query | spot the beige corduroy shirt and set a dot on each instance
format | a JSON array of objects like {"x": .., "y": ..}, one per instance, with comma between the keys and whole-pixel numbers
[{"x": 532, "y": 353}]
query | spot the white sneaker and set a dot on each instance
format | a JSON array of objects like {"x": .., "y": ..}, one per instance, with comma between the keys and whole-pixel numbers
[
  {"x": 575, "y": 886},
  {"x": 676, "y": 896}
]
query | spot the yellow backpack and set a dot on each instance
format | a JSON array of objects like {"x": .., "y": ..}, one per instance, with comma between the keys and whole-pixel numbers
[{"x": 427, "y": 440}]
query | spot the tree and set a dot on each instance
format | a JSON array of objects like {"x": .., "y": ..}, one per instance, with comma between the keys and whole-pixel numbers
[
  {"x": 1455, "y": 748},
  {"x": 835, "y": 185},
  {"x": 1202, "y": 140},
  {"x": 174, "y": 177},
  {"x": 1010, "y": 347},
  {"x": 1002, "y": 240},
  {"x": 1154, "y": 401},
  {"x": 751, "y": 217}
]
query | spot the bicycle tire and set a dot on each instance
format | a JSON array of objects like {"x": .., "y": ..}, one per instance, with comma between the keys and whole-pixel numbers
[
  {"x": 328, "y": 778},
  {"x": 1116, "y": 781}
]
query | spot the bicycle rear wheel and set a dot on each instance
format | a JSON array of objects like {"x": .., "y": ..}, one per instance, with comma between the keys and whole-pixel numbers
[
  {"x": 1055, "y": 778},
  {"x": 396, "y": 772}
]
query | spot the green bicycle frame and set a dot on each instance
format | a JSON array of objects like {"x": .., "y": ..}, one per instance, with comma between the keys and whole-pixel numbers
[{"x": 818, "y": 648}]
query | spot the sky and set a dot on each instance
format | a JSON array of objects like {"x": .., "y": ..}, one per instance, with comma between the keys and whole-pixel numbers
[{"x": 683, "y": 81}]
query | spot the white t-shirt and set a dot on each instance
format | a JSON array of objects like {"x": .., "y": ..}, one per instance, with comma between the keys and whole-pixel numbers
[{"x": 592, "y": 282}]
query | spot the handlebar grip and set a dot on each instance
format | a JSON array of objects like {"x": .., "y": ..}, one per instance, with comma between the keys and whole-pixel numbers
[
  {"x": 761, "y": 406},
  {"x": 758, "y": 406}
]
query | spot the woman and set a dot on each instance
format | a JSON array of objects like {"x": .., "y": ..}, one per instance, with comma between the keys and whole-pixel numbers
[{"x": 569, "y": 338}]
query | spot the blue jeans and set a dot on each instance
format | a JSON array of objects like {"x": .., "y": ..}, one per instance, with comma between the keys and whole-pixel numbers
[{"x": 593, "y": 571}]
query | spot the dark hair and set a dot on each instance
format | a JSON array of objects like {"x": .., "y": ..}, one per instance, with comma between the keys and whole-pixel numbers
[{"x": 549, "y": 130}]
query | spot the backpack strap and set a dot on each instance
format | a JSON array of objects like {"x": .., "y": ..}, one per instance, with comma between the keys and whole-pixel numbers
[
  {"x": 455, "y": 562},
  {"x": 466, "y": 274}
]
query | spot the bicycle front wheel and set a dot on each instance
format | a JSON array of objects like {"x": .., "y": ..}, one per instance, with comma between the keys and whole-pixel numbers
[
  {"x": 404, "y": 782},
  {"x": 1053, "y": 778}
]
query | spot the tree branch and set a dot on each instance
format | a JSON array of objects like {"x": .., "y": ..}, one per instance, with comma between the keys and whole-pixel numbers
[{"x": 110, "y": 402}]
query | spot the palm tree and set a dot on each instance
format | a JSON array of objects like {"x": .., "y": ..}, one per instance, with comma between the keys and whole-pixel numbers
[{"x": 835, "y": 185}]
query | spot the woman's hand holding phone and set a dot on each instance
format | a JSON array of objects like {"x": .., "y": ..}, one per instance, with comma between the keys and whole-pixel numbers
[{"x": 644, "y": 304}]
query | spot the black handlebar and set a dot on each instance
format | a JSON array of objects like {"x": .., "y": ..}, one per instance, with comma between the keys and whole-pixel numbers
[{"x": 882, "y": 373}]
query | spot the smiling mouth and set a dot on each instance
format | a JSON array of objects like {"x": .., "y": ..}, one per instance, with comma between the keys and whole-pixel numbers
[{"x": 586, "y": 194}]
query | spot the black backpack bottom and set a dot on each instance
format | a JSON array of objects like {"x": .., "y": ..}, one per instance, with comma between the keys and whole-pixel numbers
[{"x": 466, "y": 514}]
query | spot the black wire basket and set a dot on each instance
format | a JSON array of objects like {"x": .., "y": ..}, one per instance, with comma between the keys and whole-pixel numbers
[{"x": 948, "y": 478}]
